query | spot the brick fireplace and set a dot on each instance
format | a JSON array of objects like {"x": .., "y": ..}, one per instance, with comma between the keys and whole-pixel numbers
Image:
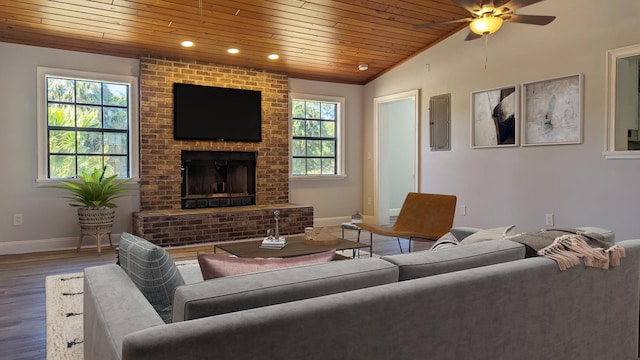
[{"x": 162, "y": 218}]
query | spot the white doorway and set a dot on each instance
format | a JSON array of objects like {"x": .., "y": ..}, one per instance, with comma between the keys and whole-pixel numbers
[{"x": 396, "y": 144}]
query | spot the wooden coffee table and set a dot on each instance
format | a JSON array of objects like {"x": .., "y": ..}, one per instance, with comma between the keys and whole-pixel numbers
[{"x": 295, "y": 247}]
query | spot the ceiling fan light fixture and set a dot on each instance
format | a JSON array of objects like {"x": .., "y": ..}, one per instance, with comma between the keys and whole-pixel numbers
[{"x": 485, "y": 25}]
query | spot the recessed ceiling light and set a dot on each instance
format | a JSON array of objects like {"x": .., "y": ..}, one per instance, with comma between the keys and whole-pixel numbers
[
  {"x": 363, "y": 67},
  {"x": 233, "y": 51},
  {"x": 274, "y": 57},
  {"x": 187, "y": 43}
]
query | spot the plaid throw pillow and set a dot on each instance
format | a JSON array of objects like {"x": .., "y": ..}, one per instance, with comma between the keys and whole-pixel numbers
[{"x": 151, "y": 268}]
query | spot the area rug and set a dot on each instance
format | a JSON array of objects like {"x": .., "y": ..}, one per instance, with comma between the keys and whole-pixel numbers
[
  {"x": 64, "y": 305},
  {"x": 64, "y": 316}
]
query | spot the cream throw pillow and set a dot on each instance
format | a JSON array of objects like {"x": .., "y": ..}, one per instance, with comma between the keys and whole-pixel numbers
[{"x": 499, "y": 233}]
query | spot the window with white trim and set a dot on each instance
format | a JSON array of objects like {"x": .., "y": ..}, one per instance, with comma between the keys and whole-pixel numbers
[
  {"x": 86, "y": 121},
  {"x": 316, "y": 127}
]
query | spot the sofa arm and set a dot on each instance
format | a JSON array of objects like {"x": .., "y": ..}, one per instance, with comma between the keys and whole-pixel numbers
[{"x": 113, "y": 308}]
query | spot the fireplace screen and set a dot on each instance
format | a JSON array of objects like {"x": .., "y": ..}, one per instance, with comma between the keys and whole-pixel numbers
[{"x": 218, "y": 178}]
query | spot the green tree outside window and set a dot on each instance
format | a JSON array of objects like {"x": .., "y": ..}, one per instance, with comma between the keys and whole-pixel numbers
[
  {"x": 314, "y": 137},
  {"x": 87, "y": 127}
]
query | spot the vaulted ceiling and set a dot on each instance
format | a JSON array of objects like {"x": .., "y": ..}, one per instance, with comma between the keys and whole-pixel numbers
[{"x": 316, "y": 39}]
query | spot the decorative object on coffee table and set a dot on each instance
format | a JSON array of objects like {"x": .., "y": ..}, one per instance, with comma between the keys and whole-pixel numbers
[
  {"x": 94, "y": 195},
  {"x": 271, "y": 241},
  {"x": 322, "y": 237}
]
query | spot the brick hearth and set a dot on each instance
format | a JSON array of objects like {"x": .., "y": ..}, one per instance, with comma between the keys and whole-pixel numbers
[
  {"x": 161, "y": 219},
  {"x": 184, "y": 227}
]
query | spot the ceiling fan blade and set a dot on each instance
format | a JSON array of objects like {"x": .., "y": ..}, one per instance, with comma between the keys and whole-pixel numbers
[
  {"x": 516, "y": 4},
  {"x": 472, "y": 36},
  {"x": 428, "y": 25},
  {"x": 529, "y": 19},
  {"x": 469, "y": 5}
]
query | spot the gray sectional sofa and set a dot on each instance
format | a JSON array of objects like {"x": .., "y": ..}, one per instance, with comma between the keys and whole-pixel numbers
[{"x": 479, "y": 301}]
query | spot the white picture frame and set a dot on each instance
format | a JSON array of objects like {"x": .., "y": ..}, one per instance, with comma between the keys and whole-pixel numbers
[
  {"x": 495, "y": 117},
  {"x": 552, "y": 111}
]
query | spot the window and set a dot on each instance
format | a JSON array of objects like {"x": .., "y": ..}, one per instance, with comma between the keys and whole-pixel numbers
[
  {"x": 86, "y": 121},
  {"x": 316, "y": 123}
]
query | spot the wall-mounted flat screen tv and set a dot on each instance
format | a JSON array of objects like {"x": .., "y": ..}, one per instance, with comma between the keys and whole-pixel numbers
[{"x": 216, "y": 113}]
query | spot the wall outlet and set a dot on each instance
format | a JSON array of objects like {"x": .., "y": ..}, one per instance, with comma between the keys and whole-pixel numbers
[
  {"x": 463, "y": 210},
  {"x": 17, "y": 219},
  {"x": 548, "y": 219}
]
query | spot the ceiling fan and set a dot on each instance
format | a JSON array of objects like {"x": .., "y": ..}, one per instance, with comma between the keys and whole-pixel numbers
[{"x": 488, "y": 16}]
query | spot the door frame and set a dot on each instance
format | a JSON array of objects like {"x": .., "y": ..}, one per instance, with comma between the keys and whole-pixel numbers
[{"x": 381, "y": 216}]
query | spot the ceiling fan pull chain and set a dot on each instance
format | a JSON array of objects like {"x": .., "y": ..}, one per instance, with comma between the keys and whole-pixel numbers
[{"x": 486, "y": 50}]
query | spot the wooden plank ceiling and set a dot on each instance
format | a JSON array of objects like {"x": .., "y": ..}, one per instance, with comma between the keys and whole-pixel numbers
[{"x": 316, "y": 39}]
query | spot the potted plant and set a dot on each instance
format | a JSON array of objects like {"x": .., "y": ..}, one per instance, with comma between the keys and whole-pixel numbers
[{"x": 94, "y": 195}]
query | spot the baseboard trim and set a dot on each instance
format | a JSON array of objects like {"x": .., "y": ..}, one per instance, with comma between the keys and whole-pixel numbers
[
  {"x": 67, "y": 243},
  {"x": 332, "y": 221},
  {"x": 53, "y": 244}
]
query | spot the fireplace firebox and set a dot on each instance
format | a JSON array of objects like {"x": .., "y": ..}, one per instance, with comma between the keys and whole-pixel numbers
[{"x": 218, "y": 178}]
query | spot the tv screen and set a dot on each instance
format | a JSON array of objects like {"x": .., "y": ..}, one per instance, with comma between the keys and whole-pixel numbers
[{"x": 215, "y": 113}]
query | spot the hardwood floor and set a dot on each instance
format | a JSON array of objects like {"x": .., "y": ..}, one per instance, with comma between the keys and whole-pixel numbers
[{"x": 22, "y": 292}]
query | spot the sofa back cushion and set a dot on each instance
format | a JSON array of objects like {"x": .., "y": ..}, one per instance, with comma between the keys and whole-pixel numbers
[
  {"x": 240, "y": 292},
  {"x": 218, "y": 265},
  {"x": 433, "y": 262},
  {"x": 153, "y": 271}
]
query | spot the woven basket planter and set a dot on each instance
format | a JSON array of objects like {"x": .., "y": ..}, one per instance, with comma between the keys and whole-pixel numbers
[{"x": 96, "y": 219}]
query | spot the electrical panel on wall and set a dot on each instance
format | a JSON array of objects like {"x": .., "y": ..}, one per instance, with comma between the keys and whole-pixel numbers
[{"x": 440, "y": 122}]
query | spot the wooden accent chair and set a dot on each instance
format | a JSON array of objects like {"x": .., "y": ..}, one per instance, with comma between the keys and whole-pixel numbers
[{"x": 423, "y": 217}]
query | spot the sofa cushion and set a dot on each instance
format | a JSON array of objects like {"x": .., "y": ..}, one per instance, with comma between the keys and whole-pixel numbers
[
  {"x": 151, "y": 268},
  {"x": 240, "y": 292},
  {"x": 499, "y": 233},
  {"x": 426, "y": 263},
  {"x": 217, "y": 265}
]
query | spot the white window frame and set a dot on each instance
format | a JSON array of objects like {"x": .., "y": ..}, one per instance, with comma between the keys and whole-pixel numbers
[
  {"x": 610, "y": 152},
  {"x": 134, "y": 128},
  {"x": 340, "y": 169}
]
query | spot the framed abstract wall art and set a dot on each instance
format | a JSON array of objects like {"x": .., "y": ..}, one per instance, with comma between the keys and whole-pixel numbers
[
  {"x": 494, "y": 117},
  {"x": 552, "y": 111}
]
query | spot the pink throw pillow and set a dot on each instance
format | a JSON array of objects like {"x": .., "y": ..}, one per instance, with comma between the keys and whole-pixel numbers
[{"x": 216, "y": 265}]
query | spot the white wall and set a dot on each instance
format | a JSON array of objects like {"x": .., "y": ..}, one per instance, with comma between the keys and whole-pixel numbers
[
  {"x": 334, "y": 200},
  {"x": 49, "y": 223},
  {"x": 520, "y": 185}
]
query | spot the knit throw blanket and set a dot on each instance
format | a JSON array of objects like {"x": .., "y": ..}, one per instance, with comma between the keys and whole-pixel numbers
[{"x": 568, "y": 246}]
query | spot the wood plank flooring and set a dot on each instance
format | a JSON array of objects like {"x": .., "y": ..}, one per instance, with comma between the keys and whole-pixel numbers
[{"x": 22, "y": 293}]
